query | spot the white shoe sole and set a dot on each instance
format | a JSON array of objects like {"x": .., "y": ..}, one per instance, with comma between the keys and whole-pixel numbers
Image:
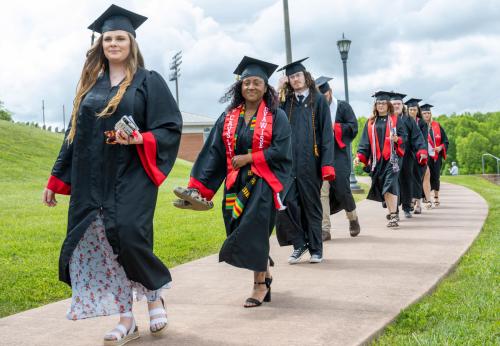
[{"x": 316, "y": 260}]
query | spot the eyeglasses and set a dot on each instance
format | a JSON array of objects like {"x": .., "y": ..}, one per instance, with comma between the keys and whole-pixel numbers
[{"x": 381, "y": 103}]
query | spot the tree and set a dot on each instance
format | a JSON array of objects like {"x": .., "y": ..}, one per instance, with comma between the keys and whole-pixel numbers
[
  {"x": 470, "y": 149},
  {"x": 4, "y": 113}
]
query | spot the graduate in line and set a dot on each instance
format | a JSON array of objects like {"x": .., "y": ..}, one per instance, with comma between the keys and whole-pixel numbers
[
  {"x": 312, "y": 146},
  {"x": 336, "y": 195},
  {"x": 250, "y": 148},
  {"x": 113, "y": 178},
  {"x": 418, "y": 169},
  {"x": 438, "y": 145},
  {"x": 415, "y": 154},
  {"x": 381, "y": 150}
]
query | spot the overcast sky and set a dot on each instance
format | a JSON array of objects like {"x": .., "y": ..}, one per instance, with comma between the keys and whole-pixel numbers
[{"x": 444, "y": 51}]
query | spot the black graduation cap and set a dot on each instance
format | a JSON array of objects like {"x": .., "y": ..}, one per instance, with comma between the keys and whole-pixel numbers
[
  {"x": 254, "y": 67},
  {"x": 397, "y": 96},
  {"x": 322, "y": 84},
  {"x": 426, "y": 108},
  {"x": 382, "y": 96},
  {"x": 413, "y": 102},
  {"x": 117, "y": 18},
  {"x": 293, "y": 67}
]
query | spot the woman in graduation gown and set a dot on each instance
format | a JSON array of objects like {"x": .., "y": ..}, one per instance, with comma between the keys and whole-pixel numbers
[
  {"x": 418, "y": 169},
  {"x": 381, "y": 149},
  {"x": 415, "y": 153},
  {"x": 250, "y": 148},
  {"x": 113, "y": 180},
  {"x": 438, "y": 145}
]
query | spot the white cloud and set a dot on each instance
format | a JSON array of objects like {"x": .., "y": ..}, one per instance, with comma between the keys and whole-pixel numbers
[{"x": 441, "y": 50}]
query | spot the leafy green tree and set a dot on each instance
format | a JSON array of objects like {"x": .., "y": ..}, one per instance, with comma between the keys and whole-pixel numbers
[
  {"x": 470, "y": 149},
  {"x": 4, "y": 113}
]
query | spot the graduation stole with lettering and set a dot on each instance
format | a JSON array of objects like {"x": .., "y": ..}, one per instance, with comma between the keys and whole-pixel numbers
[
  {"x": 374, "y": 143},
  {"x": 261, "y": 139},
  {"x": 436, "y": 130}
]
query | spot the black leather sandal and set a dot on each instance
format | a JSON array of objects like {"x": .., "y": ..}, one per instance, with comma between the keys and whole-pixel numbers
[{"x": 267, "y": 298}]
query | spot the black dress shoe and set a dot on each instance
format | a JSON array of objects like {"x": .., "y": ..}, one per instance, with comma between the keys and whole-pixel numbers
[{"x": 354, "y": 227}]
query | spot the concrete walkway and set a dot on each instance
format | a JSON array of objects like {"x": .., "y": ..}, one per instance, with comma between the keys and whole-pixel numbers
[{"x": 361, "y": 286}]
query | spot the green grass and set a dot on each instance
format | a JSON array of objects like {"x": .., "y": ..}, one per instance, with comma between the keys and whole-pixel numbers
[
  {"x": 31, "y": 234},
  {"x": 465, "y": 308}
]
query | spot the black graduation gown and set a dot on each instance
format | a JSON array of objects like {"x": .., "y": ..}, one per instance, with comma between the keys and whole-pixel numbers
[
  {"x": 114, "y": 180},
  {"x": 415, "y": 143},
  {"x": 301, "y": 222},
  {"x": 247, "y": 242},
  {"x": 435, "y": 165},
  {"x": 340, "y": 189},
  {"x": 419, "y": 170},
  {"x": 384, "y": 179}
]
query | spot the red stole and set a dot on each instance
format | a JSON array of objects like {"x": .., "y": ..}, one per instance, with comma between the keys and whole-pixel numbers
[
  {"x": 262, "y": 137},
  {"x": 337, "y": 131},
  {"x": 387, "y": 141},
  {"x": 436, "y": 129}
]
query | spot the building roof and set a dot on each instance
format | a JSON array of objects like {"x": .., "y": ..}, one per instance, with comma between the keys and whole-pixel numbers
[{"x": 191, "y": 119}]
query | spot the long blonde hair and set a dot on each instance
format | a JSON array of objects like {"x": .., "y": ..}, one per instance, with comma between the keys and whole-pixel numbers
[{"x": 95, "y": 64}]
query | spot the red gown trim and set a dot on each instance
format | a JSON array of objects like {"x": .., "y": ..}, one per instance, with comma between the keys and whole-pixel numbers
[
  {"x": 204, "y": 191},
  {"x": 147, "y": 154},
  {"x": 58, "y": 186},
  {"x": 328, "y": 173},
  {"x": 337, "y": 130}
]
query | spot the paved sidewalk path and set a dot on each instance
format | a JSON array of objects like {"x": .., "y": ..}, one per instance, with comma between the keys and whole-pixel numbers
[{"x": 361, "y": 286}]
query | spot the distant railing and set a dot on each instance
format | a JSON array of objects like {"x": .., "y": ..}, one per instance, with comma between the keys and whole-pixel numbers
[{"x": 493, "y": 156}]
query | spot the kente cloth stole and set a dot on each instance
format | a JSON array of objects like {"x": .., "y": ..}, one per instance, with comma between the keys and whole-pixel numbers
[{"x": 261, "y": 126}]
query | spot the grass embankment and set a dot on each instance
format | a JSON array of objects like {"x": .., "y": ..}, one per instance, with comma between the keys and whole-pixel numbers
[{"x": 465, "y": 308}]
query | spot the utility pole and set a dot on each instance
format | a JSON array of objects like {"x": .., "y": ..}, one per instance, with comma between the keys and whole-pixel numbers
[
  {"x": 288, "y": 40},
  {"x": 43, "y": 112},
  {"x": 174, "y": 76},
  {"x": 64, "y": 120}
]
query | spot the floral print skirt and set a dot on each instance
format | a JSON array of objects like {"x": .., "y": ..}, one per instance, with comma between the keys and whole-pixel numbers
[{"x": 99, "y": 284}]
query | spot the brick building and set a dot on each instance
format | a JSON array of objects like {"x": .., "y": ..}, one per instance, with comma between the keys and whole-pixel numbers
[{"x": 195, "y": 128}]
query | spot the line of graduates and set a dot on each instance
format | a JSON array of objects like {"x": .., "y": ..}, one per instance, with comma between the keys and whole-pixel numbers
[
  {"x": 274, "y": 152},
  {"x": 402, "y": 149}
]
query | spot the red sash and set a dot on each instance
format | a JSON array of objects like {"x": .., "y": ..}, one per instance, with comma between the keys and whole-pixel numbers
[
  {"x": 387, "y": 141},
  {"x": 436, "y": 129},
  {"x": 262, "y": 137}
]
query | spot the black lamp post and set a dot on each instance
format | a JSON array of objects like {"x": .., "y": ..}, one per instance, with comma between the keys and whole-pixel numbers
[{"x": 344, "y": 46}]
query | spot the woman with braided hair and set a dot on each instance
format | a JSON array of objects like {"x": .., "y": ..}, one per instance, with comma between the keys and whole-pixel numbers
[
  {"x": 312, "y": 145},
  {"x": 113, "y": 180}
]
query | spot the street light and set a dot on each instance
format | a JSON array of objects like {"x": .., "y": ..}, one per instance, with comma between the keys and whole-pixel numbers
[{"x": 344, "y": 46}]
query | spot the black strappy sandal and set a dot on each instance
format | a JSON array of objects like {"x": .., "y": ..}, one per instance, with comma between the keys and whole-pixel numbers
[{"x": 267, "y": 298}]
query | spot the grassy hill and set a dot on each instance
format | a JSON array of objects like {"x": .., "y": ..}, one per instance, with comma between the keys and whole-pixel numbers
[{"x": 31, "y": 234}]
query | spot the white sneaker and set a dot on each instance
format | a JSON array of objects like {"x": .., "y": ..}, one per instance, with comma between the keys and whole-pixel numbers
[{"x": 316, "y": 259}]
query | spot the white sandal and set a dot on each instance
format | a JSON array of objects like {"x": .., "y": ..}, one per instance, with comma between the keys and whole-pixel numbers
[
  {"x": 120, "y": 335},
  {"x": 163, "y": 319}
]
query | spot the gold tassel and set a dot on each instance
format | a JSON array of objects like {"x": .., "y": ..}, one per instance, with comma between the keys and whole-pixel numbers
[{"x": 316, "y": 151}]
